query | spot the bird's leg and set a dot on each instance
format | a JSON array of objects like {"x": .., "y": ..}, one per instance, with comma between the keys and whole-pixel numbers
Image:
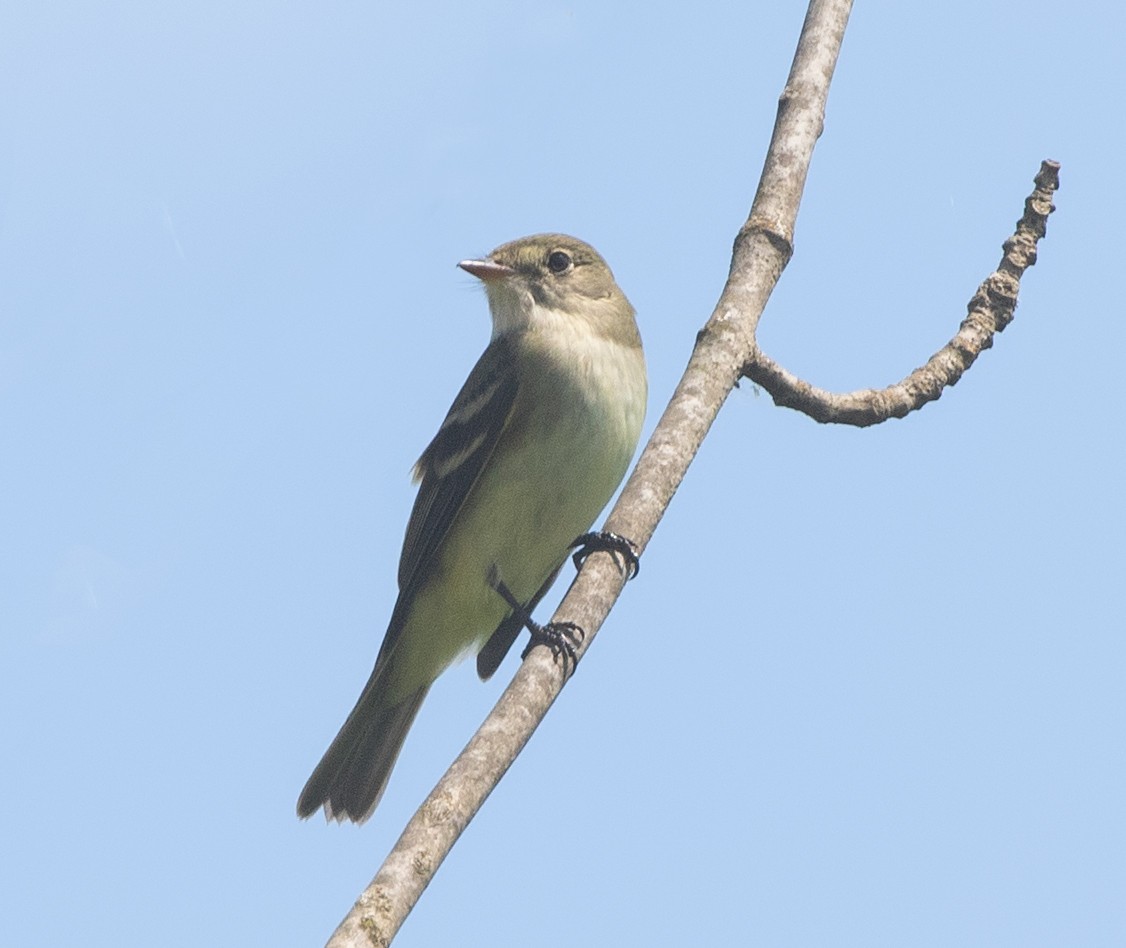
[
  {"x": 604, "y": 541},
  {"x": 561, "y": 637}
]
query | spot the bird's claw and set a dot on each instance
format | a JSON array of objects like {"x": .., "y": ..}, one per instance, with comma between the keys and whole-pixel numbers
[
  {"x": 621, "y": 548},
  {"x": 563, "y": 638}
]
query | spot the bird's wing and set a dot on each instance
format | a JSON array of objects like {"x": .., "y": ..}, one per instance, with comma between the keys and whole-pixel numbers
[{"x": 452, "y": 462}]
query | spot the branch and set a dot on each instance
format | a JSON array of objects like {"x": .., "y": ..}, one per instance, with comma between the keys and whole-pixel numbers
[
  {"x": 724, "y": 349},
  {"x": 988, "y": 313}
]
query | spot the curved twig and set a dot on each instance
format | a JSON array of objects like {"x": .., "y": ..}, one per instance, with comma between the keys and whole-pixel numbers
[{"x": 988, "y": 313}]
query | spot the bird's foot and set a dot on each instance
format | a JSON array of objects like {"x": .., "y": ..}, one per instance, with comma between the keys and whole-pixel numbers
[
  {"x": 563, "y": 638},
  {"x": 622, "y": 549}
]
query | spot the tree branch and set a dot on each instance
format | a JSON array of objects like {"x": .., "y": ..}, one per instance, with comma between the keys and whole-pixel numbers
[
  {"x": 727, "y": 343},
  {"x": 724, "y": 349},
  {"x": 988, "y": 313}
]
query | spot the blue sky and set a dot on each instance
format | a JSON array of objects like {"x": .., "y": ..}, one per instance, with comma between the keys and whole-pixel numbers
[{"x": 868, "y": 689}]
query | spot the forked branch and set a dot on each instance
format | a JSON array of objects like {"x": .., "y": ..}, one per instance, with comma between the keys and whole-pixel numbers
[{"x": 724, "y": 351}]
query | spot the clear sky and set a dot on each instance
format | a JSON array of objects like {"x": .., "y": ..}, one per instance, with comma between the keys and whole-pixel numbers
[{"x": 869, "y": 687}]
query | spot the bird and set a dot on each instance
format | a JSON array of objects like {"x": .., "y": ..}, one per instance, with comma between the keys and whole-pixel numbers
[{"x": 535, "y": 444}]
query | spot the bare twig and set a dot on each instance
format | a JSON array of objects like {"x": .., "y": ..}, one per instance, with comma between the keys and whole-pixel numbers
[
  {"x": 988, "y": 313},
  {"x": 724, "y": 349}
]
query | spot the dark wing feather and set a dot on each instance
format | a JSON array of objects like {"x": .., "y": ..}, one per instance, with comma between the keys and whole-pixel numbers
[
  {"x": 452, "y": 462},
  {"x": 450, "y": 466}
]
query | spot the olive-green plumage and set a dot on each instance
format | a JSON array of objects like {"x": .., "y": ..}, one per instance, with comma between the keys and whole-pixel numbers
[{"x": 535, "y": 444}]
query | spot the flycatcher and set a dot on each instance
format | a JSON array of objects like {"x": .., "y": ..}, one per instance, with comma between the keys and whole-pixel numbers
[{"x": 535, "y": 444}]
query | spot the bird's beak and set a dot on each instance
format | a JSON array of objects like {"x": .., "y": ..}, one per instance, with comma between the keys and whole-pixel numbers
[{"x": 487, "y": 270}]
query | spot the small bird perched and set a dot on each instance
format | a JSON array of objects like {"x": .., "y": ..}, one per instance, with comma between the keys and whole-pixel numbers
[{"x": 535, "y": 444}]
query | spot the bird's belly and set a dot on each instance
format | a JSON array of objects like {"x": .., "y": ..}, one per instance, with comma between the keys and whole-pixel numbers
[
  {"x": 521, "y": 525},
  {"x": 521, "y": 517}
]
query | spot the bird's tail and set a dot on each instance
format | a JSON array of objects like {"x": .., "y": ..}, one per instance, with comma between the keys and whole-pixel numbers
[{"x": 352, "y": 775}]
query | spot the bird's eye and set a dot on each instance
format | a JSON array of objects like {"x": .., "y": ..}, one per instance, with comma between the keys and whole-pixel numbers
[{"x": 559, "y": 261}]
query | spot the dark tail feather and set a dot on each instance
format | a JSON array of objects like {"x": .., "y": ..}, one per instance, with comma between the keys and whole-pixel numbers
[{"x": 352, "y": 775}]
